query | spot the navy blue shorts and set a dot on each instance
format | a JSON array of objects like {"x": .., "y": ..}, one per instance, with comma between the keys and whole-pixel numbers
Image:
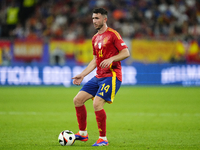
[{"x": 105, "y": 88}]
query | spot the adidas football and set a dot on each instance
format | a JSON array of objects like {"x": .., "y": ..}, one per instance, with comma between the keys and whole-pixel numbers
[{"x": 66, "y": 137}]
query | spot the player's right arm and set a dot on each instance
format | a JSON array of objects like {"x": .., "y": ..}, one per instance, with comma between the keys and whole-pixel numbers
[{"x": 91, "y": 66}]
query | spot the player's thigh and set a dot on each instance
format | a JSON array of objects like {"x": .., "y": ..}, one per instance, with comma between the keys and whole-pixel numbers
[
  {"x": 88, "y": 91},
  {"x": 98, "y": 103},
  {"x": 81, "y": 98}
]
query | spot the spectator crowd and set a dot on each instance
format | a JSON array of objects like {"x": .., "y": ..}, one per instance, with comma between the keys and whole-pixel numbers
[
  {"x": 71, "y": 19},
  {"x": 174, "y": 20}
]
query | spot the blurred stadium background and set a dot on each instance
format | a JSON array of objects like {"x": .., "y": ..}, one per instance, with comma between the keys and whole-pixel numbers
[
  {"x": 43, "y": 43},
  {"x": 48, "y": 42}
]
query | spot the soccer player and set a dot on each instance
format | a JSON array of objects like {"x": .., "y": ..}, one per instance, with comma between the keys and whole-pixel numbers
[{"x": 108, "y": 50}]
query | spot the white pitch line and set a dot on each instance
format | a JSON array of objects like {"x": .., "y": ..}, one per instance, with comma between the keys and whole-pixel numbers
[
  {"x": 90, "y": 113},
  {"x": 19, "y": 113}
]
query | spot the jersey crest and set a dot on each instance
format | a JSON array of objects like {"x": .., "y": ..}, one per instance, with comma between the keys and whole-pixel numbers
[{"x": 105, "y": 40}]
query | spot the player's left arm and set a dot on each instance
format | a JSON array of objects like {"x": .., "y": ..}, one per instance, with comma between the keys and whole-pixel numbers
[{"x": 124, "y": 53}]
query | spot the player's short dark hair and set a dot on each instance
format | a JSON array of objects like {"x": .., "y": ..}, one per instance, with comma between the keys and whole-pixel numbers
[{"x": 100, "y": 10}]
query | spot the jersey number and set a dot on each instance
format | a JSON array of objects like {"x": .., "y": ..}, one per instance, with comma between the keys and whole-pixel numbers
[{"x": 100, "y": 53}]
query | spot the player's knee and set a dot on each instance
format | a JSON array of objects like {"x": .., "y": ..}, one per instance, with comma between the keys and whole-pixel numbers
[
  {"x": 97, "y": 106},
  {"x": 77, "y": 101}
]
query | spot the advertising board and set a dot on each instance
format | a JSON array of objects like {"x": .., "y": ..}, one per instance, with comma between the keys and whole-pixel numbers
[{"x": 138, "y": 74}]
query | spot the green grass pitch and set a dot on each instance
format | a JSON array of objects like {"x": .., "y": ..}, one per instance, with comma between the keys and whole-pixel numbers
[{"x": 141, "y": 118}]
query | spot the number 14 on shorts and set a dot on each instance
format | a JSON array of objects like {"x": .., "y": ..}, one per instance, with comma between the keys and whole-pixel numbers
[{"x": 104, "y": 88}]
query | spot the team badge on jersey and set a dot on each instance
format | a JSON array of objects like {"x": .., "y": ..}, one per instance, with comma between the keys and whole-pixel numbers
[{"x": 105, "y": 40}]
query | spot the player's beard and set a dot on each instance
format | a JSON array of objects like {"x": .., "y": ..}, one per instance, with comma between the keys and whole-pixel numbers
[{"x": 99, "y": 26}]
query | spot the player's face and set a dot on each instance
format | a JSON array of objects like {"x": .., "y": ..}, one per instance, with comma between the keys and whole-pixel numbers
[{"x": 98, "y": 20}]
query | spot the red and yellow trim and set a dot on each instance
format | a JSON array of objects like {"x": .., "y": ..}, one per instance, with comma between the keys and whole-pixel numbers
[
  {"x": 115, "y": 32},
  {"x": 113, "y": 84}
]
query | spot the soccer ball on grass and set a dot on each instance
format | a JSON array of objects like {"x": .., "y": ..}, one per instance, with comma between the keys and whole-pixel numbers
[{"x": 66, "y": 138}]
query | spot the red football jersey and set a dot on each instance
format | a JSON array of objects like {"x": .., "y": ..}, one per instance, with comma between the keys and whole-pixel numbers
[{"x": 106, "y": 45}]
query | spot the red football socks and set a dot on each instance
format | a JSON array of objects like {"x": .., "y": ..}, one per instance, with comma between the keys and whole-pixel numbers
[
  {"x": 81, "y": 114},
  {"x": 101, "y": 122}
]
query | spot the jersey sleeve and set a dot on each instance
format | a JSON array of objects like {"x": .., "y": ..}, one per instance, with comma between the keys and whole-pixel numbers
[
  {"x": 118, "y": 41},
  {"x": 94, "y": 52}
]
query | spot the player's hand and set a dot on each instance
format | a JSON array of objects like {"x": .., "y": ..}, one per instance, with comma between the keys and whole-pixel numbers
[
  {"x": 106, "y": 63},
  {"x": 77, "y": 79}
]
